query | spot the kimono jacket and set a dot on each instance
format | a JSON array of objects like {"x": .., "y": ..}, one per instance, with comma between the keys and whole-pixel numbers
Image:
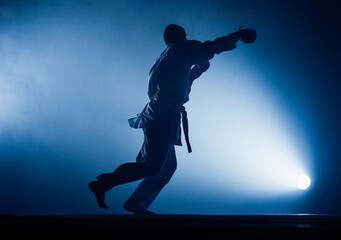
[{"x": 170, "y": 81}]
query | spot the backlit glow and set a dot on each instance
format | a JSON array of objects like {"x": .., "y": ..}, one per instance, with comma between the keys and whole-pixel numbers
[{"x": 303, "y": 182}]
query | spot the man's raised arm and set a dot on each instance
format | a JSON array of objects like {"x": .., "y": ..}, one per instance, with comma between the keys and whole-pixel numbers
[{"x": 202, "y": 52}]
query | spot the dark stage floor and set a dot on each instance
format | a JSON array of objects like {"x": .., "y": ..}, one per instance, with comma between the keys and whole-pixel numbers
[{"x": 162, "y": 226}]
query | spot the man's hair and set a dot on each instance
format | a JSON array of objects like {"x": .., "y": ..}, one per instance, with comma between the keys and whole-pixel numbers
[{"x": 174, "y": 34}]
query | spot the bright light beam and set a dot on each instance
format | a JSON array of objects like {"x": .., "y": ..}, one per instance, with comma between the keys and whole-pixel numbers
[
  {"x": 245, "y": 139},
  {"x": 303, "y": 182}
]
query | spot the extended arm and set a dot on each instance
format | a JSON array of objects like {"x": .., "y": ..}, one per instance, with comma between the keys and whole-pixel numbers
[
  {"x": 228, "y": 42},
  {"x": 202, "y": 52}
]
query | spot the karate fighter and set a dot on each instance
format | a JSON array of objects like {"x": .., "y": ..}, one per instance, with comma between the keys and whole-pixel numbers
[{"x": 170, "y": 81}]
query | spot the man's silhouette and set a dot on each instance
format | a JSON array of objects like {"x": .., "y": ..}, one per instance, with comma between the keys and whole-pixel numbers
[{"x": 170, "y": 82}]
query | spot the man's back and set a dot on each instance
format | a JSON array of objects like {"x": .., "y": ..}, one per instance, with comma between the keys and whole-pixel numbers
[{"x": 171, "y": 72}]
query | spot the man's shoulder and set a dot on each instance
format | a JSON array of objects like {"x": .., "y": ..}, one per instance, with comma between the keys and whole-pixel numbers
[
  {"x": 188, "y": 44},
  {"x": 192, "y": 42},
  {"x": 186, "y": 47}
]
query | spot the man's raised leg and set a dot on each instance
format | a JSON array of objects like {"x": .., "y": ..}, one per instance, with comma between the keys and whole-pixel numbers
[{"x": 155, "y": 147}]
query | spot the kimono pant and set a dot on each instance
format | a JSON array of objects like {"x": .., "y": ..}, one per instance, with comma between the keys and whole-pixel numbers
[
  {"x": 156, "y": 163},
  {"x": 150, "y": 187}
]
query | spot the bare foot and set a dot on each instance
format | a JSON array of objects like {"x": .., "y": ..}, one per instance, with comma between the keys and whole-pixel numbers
[
  {"x": 136, "y": 208},
  {"x": 96, "y": 188}
]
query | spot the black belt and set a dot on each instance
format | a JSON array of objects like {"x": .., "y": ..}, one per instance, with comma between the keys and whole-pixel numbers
[
  {"x": 185, "y": 127},
  {"x": 160, "y": 94}
]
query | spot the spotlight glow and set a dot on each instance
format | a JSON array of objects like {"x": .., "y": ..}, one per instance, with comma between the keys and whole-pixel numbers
[
  {"x": 303, "y": 182},
  {"x": 247, "y": 137}
]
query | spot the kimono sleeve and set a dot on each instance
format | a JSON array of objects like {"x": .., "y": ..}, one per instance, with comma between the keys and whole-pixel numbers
[{"x": 199, "y": 52}]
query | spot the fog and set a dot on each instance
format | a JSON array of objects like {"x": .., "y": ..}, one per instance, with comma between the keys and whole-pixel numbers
[{"x": 73, "y": 72}]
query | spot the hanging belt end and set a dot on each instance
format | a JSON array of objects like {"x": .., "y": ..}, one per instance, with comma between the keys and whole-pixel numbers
[{"x": 189, "y": 148}]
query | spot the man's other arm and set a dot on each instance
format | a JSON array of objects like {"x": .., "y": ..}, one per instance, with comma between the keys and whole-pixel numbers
[{"x": 198, "y": 69}]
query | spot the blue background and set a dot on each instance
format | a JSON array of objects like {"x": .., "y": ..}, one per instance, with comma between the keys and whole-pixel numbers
[{"x": 73, "y": 72}]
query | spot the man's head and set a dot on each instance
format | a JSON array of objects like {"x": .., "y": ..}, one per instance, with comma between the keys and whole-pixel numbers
[{"x": 174, "y": 34}]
